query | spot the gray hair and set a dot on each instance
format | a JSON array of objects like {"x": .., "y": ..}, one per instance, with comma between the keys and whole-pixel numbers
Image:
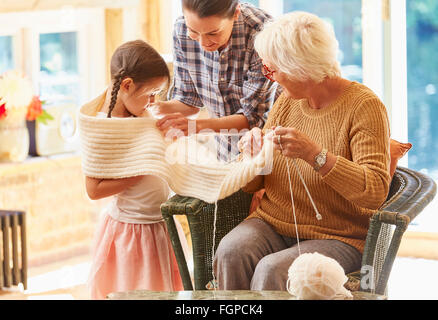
[{"x": 301, "y": 45}]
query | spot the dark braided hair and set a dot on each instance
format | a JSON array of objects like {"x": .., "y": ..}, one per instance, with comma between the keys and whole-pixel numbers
[
  {"x": 136, "y": 60},
  {"x": 116, "y": 87}
]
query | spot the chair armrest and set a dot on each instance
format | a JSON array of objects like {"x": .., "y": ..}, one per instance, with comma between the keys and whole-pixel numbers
[
  {"x": 398, "y": 219},
  {"x": 416, "y": 191},
  {"x": 381, "y": 249},
  {"x": 410, "y": 193},
  {"x": 180, "y": 205}
]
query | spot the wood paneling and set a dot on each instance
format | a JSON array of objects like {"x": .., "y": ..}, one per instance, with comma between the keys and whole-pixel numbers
[{"x": 113, "y": 35}]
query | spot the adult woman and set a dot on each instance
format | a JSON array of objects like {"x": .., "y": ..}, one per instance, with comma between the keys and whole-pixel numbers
[
  {"x": 337, "y": 131},
  {"x": 216, "y": 66}
]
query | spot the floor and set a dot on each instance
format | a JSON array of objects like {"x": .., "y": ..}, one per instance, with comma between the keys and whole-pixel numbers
[
  {"x": 64, "y": 280},
  {"x": 67, "y": 281},
  {"x": 413, "y": 279}
]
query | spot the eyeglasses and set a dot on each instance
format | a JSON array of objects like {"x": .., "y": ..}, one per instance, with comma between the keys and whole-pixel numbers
[{"x": 268, "y": 73}]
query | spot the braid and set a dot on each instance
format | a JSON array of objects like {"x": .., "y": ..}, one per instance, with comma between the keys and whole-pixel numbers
[
  {"x": 115, "y": 91},
  {"x": 138, "y": 61}
]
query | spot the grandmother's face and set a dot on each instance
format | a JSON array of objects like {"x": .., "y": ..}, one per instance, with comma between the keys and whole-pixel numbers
[
  {"x": 212, "y": 32},
  {"x": 291, "y": 88}
]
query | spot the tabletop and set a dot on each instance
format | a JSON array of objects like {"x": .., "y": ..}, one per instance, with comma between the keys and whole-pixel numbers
[{"x": 221, "y": 295}]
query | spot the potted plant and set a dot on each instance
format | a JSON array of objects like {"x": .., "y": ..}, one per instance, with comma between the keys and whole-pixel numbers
[{"x": 17, "y": 104}]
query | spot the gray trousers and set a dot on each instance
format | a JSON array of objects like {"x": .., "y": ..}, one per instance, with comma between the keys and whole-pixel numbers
[{"x": 255, "y": 257}]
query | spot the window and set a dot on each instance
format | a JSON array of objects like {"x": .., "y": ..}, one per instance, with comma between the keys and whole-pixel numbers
[
  {"x": 59, "y": 72},
  {"x": 422, "y": 42},
  {"x": 422, "y": 104},
  {"x": 62, "y": 54},
  {"x": 253, "y": 2},
  {"x": 6, "y": 54},
  {"x": 345, "y": 17}
]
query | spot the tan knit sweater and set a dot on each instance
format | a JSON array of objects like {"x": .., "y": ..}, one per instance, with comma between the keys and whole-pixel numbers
[{"x": 355, "y": 128}]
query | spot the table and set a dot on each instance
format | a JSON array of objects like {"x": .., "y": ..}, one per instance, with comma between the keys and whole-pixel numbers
[{"x": 221, "y": 295}]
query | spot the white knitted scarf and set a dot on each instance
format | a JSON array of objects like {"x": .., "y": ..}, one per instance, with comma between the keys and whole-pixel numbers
[{"x": 123, "y": 147}]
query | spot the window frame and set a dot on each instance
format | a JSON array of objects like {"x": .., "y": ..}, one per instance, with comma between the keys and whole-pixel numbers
[
  {"x": 89, "y": 25},
  {"x": 396, "y": 71},
  {"x": 384, "y": 60},
  {"x": 16, "y": 43}
]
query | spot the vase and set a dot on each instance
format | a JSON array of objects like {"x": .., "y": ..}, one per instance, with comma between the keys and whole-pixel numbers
[{"x": 14, "y": 140}]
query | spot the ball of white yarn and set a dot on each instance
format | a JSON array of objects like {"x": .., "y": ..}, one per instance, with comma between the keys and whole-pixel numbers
[{"x": 313, "y": 276}]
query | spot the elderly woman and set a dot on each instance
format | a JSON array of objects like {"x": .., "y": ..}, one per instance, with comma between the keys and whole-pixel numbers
[{"x": 337, "y": 132}]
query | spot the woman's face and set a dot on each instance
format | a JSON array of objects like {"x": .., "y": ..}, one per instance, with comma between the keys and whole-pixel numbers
[
  {"x": 213, "y": 32},
  {"x": 137, "y": 99},
  {"x": 291, "y": 88}
]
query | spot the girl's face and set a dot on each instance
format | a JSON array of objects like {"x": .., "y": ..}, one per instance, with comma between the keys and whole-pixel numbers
[{"x": 137, "y": 98}]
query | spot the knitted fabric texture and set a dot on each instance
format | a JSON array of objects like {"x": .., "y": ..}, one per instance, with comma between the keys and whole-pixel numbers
[{"x": 115, "y": 148}]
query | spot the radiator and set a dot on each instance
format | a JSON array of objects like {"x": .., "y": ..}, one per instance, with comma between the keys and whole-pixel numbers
[{"x": 13, "y": 252}]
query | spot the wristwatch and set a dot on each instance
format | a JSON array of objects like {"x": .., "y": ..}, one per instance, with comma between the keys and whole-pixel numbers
[{"x": 320, "y": 159}]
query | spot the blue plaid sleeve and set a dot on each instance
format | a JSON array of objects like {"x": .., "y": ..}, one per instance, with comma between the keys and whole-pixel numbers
[
  {"x": 258, "y": 94},
  {"x": 184, "y": 90}
]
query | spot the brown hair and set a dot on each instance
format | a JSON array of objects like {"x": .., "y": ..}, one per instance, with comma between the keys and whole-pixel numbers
[
  {"x": 207, "y": 8},
  {"x": 136, "y": 60}
]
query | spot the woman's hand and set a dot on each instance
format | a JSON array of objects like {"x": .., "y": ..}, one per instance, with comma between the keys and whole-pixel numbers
[
  {"x": 158, "y": 109},
  {"x": 252, "y": 142},
  {"x": 178, "y": 123},
  {"x": 294, "y": 144}
]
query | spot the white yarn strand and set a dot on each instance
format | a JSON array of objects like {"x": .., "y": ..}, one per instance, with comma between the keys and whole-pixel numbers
[
  {"x": 214, "y": 281},
  {"x": 291, "y": 197},
  {"x": 318, "y": 215}
]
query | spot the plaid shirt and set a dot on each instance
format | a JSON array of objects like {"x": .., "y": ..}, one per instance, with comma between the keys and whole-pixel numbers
[{"x": 227, "y": 82}]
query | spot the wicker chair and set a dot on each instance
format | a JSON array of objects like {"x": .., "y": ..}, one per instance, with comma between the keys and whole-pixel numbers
[{"x": 409, "y": 194}]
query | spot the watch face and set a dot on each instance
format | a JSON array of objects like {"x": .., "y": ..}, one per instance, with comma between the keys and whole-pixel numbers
[{"x": 320, "y": 161}]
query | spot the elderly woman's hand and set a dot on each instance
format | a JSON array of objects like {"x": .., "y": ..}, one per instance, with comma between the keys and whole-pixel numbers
[
  {"x": 252, "y": 142},
  {"x": 294, "y": 144}
]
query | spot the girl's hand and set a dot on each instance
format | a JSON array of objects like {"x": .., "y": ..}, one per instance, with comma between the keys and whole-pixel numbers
[
  {"x": 294, "y": 144},
  {"x": 252, "y": 142}
]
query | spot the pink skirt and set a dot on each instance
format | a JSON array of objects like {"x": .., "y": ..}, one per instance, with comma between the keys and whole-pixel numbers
[{"x": 133, "y": 257}]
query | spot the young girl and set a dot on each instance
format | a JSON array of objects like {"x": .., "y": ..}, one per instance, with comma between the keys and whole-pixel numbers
[{"x": 132, "y": 249}]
